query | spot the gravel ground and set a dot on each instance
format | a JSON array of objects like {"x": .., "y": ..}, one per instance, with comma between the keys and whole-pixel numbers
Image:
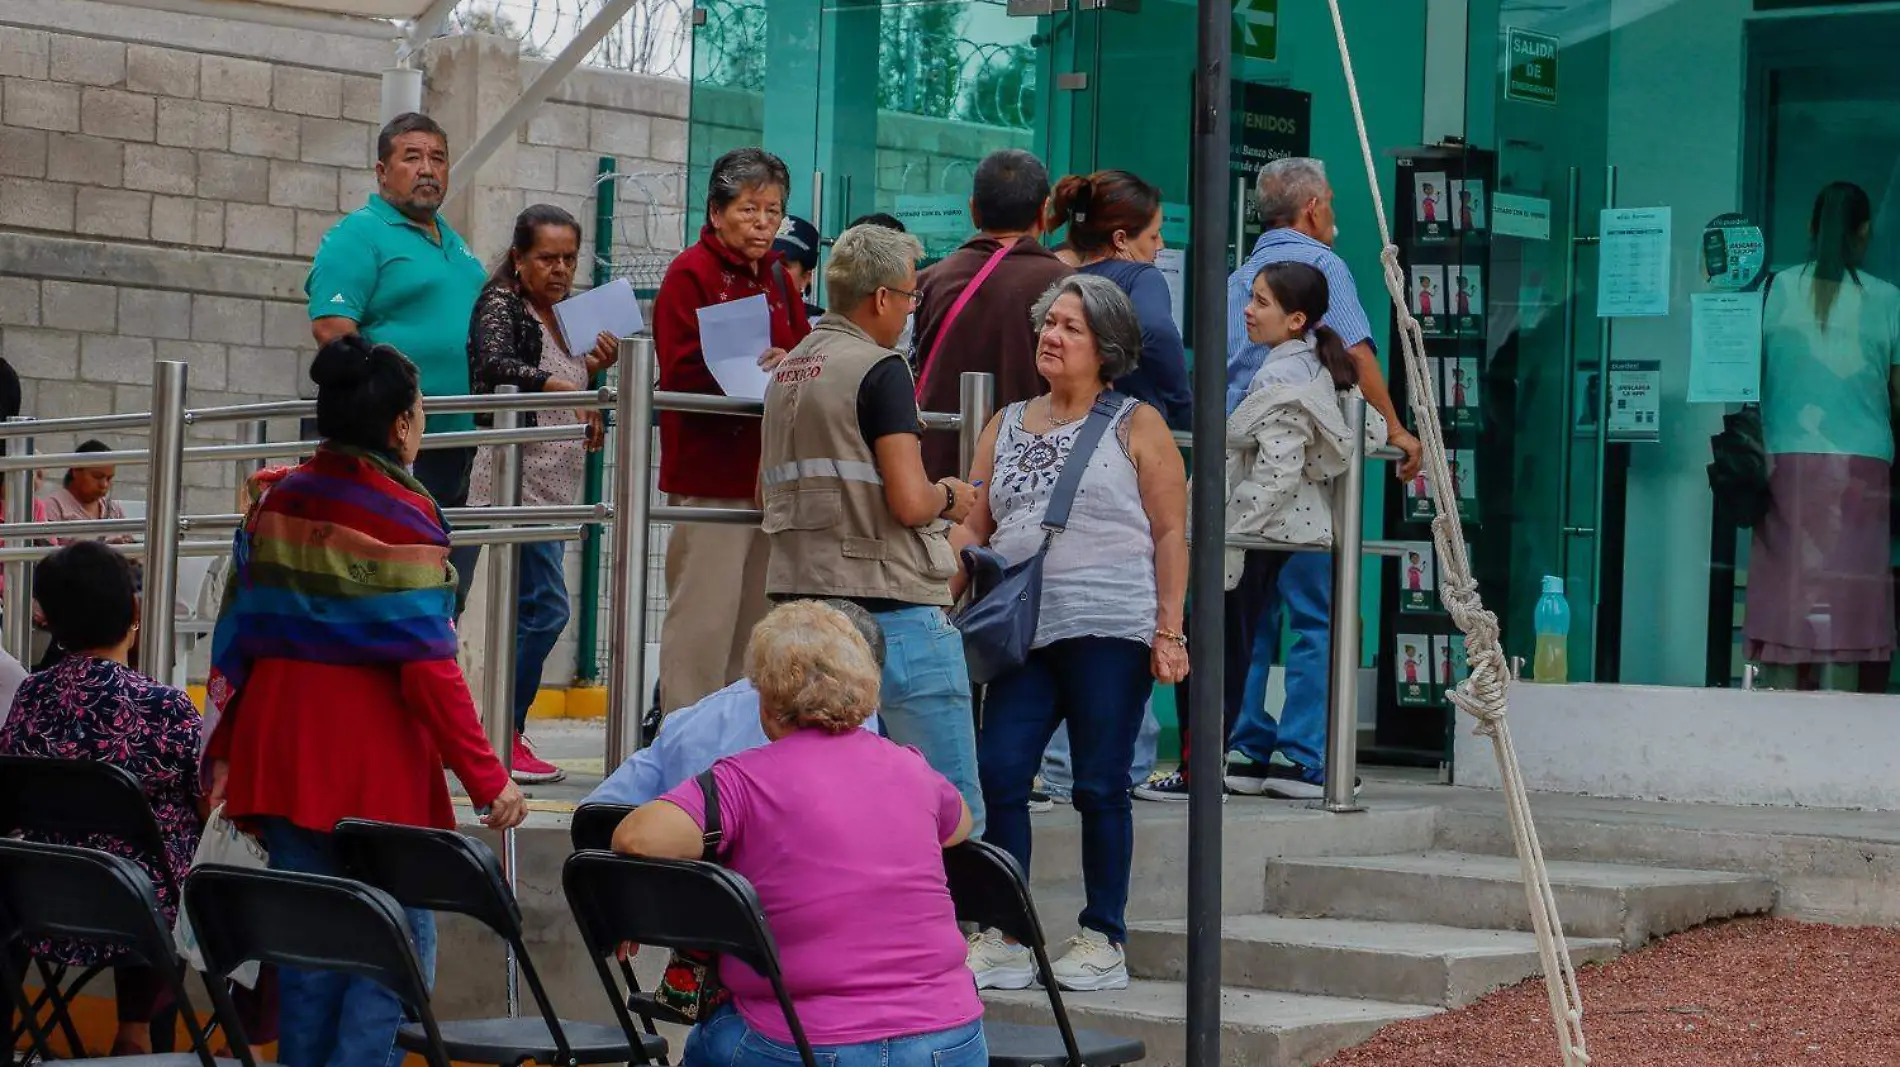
[{"x": 1752, "y": 991}]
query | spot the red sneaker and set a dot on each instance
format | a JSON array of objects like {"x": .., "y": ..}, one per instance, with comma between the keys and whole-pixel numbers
[{"x": 530, "y": 769}]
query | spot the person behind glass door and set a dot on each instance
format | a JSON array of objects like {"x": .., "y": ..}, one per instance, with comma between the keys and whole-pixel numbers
[
  {"x": 1820, "y": 587},
  {"x": 854, "y": 891},
  {"x": 1286, "y": 442},
  {"x": 715, "y": 574},
  {"x": 353, "y": 705},
  {"x": 515, "y": 340},
  {"x": 1008, "y": 193},
  {"x": 797, "y": 246},
  {"x": 1110, "y": 617},
  {"x": 1295, "y": 201},
  {"x": 394, "y": 271}
]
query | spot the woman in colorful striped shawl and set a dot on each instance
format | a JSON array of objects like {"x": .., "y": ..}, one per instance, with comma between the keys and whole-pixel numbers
[{"x": 334, "y": 690}]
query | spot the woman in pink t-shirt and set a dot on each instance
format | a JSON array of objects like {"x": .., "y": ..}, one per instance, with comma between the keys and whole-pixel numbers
[{"x": 854, "y": 890}]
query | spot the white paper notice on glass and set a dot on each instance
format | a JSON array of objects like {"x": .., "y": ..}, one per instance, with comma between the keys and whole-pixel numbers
[
  {"x": 1725, "y": 348},
  {"x": 1520, "y": 216},
  {"x": 610, "y": 308},
  {"x": 1633, "y": 271},
  {"x": 732, "y": 337},
  {"x": 1172, "y": 263}
]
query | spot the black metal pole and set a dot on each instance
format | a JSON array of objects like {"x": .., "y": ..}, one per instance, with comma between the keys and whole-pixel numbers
[{"x": 1212, "y": 184}]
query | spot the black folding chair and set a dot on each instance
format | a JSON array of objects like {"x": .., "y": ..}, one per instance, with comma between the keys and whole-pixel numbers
[
  {"x": 310, "y": 922},
  {"x": 57, "y": 891},
  {"x": 988, "y": 889},
  {"x": 592, "y": 828},
  {"x": 74, "y": 799},
  {"x": 673, "y": 904},
  {"x": 441, "y": 870}
]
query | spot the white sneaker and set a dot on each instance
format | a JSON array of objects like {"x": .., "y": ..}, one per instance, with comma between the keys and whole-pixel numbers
[
  {"x": 997, "y": 964},
  {"x": 1092, "y": 963}
]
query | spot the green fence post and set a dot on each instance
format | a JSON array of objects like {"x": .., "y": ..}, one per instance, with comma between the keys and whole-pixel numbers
[{"x": 587, "y": 662}]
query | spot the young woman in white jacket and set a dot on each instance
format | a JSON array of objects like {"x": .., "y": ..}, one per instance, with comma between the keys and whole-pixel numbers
[{"x": 1288, "y": 439}]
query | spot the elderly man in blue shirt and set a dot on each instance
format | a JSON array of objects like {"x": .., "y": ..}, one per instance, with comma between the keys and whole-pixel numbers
[
  {"x": 693, "y": 738},
  {"x": 1296, "y": 204}
]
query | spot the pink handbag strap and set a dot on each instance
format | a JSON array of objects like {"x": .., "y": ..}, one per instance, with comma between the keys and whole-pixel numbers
[{"x": 963, "y": 299}]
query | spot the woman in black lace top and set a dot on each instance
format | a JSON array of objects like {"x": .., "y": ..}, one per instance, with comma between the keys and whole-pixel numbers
[{"x": 516, "y": 340}]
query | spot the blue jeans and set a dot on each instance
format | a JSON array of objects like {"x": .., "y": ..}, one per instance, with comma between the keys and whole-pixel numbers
[
  {"x": 1305, "y": 592},
  {"x": 543, "y": 614},
  {"x": 1058, "y": 781},
  {"x": 1098, "y": 686},
  {"x": 726, "y": 1040},
  {"x": 925, "y": 699},
  {"x": 327, "y": 1019}
]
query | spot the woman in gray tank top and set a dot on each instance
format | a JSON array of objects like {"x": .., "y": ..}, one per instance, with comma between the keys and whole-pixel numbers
[{"x": 1110, "y": 617}]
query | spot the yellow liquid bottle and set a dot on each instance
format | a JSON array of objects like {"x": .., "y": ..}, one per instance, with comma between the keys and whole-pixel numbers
[{"x": 1553, "y": 659}]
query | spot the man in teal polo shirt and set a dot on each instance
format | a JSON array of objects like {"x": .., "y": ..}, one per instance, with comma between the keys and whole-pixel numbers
[{"x": 395, "y": 272}]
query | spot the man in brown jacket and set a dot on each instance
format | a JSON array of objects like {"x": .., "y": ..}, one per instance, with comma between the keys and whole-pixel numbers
[{"x": 990, "y": 331}]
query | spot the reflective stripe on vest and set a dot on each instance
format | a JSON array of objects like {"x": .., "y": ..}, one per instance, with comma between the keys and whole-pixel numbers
[{"x": 844, "y": 470}]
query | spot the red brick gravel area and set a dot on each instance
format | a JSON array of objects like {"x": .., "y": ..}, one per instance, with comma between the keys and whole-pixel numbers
[{"x": 1752, "y": 991}]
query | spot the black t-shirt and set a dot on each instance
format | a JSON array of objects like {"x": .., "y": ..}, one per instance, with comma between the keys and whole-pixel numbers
[{"x": 887, "y": 401}]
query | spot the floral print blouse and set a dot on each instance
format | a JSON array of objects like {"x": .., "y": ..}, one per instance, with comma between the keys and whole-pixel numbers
[{"x": 86, "y": 708}]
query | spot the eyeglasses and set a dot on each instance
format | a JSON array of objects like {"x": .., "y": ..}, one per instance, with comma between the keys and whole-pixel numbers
[{"x": 913, "y": 297}]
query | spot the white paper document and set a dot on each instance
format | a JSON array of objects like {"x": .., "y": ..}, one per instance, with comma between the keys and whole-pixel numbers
[
  {"x": 1172, "y": 263},
  {"x": 732, "y": 337},
  {"x": 1725, "y": 348},
  {"x": 610, "y": 308},
  {"x": 1633, "y": 271}
]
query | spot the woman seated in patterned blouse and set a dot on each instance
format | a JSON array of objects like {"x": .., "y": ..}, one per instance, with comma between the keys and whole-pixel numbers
[
  {"x": 92, "y": 705},
  {"x": 514, "y": 340}
]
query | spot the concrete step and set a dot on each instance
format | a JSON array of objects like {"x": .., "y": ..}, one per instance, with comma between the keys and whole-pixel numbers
[
  {"x": 1405, "y": 963},
  {"x": 1258, "y": 1028},
  {"x": 1630, "y": 904}
]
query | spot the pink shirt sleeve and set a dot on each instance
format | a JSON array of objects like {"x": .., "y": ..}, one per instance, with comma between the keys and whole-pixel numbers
[
  {"x": 949, "y": 809},
  {"x": 688, "y": 797}
]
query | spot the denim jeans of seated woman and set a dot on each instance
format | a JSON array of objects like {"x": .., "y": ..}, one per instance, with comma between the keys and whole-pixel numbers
[
  {"x": 1098, "y": 685},
  {"x": 726, "y": 1040},
  {"x": 327, "y": 1019}
]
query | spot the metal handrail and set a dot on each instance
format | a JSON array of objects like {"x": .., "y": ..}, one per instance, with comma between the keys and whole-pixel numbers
[
  {"x": 491, "y": 535},
  {"x": 713, "y": 404},
  {"x": 279, "y": 449}
]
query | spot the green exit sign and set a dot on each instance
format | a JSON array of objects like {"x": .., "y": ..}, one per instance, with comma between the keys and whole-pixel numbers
[
  {"x": 1532, "y": 72},
  {"x": 1257, "y": 29}
]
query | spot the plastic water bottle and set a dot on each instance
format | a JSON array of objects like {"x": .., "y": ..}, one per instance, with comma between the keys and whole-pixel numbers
[{"x": 1553, "y": 633}]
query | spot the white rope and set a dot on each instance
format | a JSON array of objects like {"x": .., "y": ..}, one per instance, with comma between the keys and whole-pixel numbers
[{"x": 1483, "y": 695}]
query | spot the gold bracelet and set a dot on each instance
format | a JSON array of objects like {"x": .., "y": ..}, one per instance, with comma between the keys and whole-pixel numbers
[{"x": 1176, "y": 636}]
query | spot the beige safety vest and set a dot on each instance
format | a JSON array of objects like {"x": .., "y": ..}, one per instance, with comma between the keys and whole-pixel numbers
[{"x": 832, "y": 533}]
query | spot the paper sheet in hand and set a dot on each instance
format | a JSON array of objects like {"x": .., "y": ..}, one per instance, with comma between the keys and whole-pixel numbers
[
  {"x": 732, "y": 337},
  {"x": 610, "y": 308}
]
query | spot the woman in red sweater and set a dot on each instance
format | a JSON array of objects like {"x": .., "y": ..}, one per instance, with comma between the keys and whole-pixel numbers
[
  {"x": 334, "y": 690},
  {"x": 715, "y": 574}
]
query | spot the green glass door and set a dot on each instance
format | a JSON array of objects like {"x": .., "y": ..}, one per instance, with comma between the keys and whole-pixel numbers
[{"x": 1552, "y": 162}]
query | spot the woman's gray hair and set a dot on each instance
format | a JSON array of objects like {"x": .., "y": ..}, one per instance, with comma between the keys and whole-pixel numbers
[
  {"x": 1286, "y": 186},
  {"x": 744, "y": 169},
  {"x": 867, "y": 258},
  {"x": 1110, "y": 315}
]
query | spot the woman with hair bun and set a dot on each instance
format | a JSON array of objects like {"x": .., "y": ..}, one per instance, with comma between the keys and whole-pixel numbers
[
  {"x": 1114, "y": 221},
  {"x": 334, "y": 689}
]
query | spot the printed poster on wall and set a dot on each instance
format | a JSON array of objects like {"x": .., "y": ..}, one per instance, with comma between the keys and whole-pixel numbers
[
  {"x": 1418, "y": 498},
  {"x": 1431, "y": 207},
  {"x": 1418, "y": 579},
  {"x": 1441, "y": 666},
  {"x": 1521, "y": 216},
  {"x": 1633, "y": 265},
  {"x": 1467, "y": 205},
  {"x": 1269, "y": 123},
  {"x": 1464, "y": 293},
  {"x": 1635, "y": 400},
  {"x": 1172, "y": 263},
  {"x": 1460, "y": 395},
  {"x": 1412, "y": 669}
]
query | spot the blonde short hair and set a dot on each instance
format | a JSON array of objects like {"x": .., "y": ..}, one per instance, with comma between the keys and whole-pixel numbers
[{"x": 812, "y": 667}]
